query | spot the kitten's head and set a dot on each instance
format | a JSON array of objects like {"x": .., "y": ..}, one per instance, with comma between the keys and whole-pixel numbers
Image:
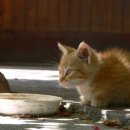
[{"x": 77, "y": 65}]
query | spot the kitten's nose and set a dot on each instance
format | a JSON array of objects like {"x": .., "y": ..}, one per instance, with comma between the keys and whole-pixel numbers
[{"x": 61, "y": 79}]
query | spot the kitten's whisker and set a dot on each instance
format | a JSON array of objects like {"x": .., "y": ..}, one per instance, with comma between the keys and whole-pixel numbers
[
  {"x": 54, "y": 63},
  {"x": 58, "y": 86}
]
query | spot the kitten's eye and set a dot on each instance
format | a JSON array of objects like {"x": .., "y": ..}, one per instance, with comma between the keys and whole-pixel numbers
[{"x": 68, "y": 71}]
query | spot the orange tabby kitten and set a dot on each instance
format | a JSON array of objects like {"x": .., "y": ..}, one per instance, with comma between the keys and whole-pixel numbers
[{"x": 102, "y": 79}]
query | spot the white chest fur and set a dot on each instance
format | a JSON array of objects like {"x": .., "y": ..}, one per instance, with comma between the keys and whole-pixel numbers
[{"x": 85, "y": 92}]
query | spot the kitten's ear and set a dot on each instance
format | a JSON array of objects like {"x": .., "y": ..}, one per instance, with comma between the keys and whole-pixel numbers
[
  {"x": 84, "y": 52},
  {"x": 64, "y": 49}
]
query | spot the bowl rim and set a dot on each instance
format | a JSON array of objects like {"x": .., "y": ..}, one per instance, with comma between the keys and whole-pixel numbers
[{"x": 29, "y": 97}]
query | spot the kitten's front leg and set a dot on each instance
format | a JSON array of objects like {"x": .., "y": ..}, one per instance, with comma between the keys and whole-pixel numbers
[
  {"x": 97, "y": 102},
  {"x": 84, "y": 102}
]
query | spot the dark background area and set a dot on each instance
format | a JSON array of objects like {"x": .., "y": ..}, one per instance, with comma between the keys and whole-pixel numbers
[{"x": 30, "y": 29}]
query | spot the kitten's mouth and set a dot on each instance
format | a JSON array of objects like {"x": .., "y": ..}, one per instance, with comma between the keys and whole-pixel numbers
[{"x": 66, "y": 85}]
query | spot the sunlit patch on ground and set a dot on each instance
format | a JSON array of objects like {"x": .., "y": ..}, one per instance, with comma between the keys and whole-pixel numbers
[
  {"x": 45, "y": 123},
  {"x": 30, "y": 74}
]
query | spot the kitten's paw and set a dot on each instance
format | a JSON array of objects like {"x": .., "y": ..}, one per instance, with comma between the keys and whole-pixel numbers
[
  {"x": 98, "y": 103},
  {"x": 84, "y": 102}
]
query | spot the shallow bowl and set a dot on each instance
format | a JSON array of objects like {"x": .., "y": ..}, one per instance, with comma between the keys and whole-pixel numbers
[{"x": 24, "y": 103}]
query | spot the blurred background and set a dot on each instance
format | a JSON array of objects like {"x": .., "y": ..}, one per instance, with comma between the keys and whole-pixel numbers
[{"x": 30, "y": 29}]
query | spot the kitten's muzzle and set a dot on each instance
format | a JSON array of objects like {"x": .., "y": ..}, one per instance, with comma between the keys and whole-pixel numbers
[{"x": 61, "y": 79}]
